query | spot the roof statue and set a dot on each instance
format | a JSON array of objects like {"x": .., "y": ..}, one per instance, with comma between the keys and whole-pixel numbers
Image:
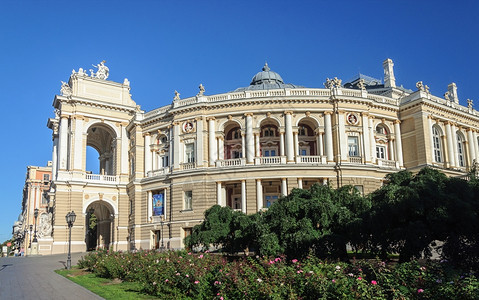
[
  {"x": 420, "y": 86},
  {"x": 362, "y": 84},
  {"x": 65, "y": 90},
  {"x": 446, "y": 96},
  {"x": 177, "y": 95},
  {"x": 469, "y": 103},
  {"x": 102, "y": 72},
  {"x": 333, "y": 83},
  {"x": 202, "y": 90}
]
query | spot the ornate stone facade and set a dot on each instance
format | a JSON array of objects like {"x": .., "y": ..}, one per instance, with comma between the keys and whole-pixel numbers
[{"x": 160, "y": 170}]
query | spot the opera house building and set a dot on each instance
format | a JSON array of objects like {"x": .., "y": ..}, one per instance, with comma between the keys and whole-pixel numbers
[{"x": 160, "y": 170}]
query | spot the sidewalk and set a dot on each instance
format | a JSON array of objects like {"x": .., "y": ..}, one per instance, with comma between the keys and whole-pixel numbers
[{"x": 34, "y": 278}]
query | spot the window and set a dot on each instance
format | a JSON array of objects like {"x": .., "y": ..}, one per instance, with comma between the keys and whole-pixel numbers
[
  {"x": 163, "y": 140},
  {"x": 269, "y": 152},
  {"x": 304, "y": 152},
  {"x": 237, "y": 134},
  {"x": 353, "y": 146},
  {"x": 381, "y": 152},
  {"x": 190, "y": 153},
  {"x": 46, "y": 177},
  {"x": 236, "y": 154},
  {"x": 188, "y": 196},
  {"x": 268, "y": 132},
  {"x": 165, "y": 161},
  {"x": 360, "y": 189},
  {"x": 436, "y": 140},
  {"x": 381, "y": 130},
  {"x": 303, "y": 130},
  {"x": 44, "y": 199},
  {"x": 270, "y": 199},
  {"x": 237, "y": 203},
  {"x": 460, "y": 150}
]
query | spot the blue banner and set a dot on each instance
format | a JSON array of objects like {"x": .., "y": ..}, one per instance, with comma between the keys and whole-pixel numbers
[{"x": 158, "y": 204}]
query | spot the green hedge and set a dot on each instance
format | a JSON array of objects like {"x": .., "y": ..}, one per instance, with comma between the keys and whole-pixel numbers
[{"x": 183, "y": 275}]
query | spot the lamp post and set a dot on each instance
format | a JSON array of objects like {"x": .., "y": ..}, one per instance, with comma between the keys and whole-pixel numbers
[
  {"x": 35, "y": 214},
  {"x": 31, "y": 230},
  {"x": 162, "y": 222},
  {"x": 70, "y": 218}
]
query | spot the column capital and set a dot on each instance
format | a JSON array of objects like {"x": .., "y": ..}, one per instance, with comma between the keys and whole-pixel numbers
[
  {"x": 146, "y": 134},
  {"x": 468, "y": 129},
  {"x": 63, "y": 116},
  {"x": 78, "y": 117},
  {"x": 328, "y": 112},
  {"x": 397, "y": 122},
  {"x": 199, "y": 119},
  {"x": 364, "y": 113},
  {"x": 243, "y": 180},
  {"x": 176, "y": 123},
  {"x": 210, "y": 118},
  {"x": 288, "y": 112},
  {"x": 248, "y": 114},
  {"x": 258, "y": 180}
]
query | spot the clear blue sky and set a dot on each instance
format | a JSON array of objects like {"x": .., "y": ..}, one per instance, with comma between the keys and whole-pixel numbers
[{"x": 161, "y": 46}]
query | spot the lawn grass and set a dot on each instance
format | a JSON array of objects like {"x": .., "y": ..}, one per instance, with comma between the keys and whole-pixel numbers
[{"x": 103, "y": 287}]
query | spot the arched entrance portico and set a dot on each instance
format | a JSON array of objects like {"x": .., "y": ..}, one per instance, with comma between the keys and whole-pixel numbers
[{"x": 100, "y": 220}]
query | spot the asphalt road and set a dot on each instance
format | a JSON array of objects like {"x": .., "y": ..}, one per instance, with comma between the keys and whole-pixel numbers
[{"x": 34, "y": 278}]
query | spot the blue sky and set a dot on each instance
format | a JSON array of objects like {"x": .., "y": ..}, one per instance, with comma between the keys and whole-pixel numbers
[{"x": 162, "y": 46}]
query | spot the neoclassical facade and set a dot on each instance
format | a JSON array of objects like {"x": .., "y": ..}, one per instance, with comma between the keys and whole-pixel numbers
[{"x": 160, "y": 170}]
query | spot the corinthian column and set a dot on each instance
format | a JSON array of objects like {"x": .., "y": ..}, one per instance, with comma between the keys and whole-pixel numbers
[
  {"x": 397, "y": 130},
  {"x": 249, "y": 138},
  {"x": 212, "y": 154},
  {"x": 328, "y": 136},
  {"x": 63, "y": 143},
  {"x": 450, "y": 145},
  {"x": 472, "y": 150},
  {"x": 289, "y": 136},
  {"x": 147, "y": 153}
]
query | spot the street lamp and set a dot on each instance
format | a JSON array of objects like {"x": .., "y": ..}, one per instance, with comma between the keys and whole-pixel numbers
[
  {"x": 35, "y": 214},
  {"x": 162, "y": 247},
  {"x": 70, "y": 217},
  {"x": 31, "y": 229}
]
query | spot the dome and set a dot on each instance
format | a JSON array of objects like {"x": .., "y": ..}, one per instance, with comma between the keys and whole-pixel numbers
[
  {"x": 266, "y": 76},
  {"x": 267, "y": 80}
]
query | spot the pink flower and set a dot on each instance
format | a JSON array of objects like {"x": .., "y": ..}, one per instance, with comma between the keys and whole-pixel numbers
[
  {"x": 277, "y": 259},
  {"x": 196, "y": 282},
  {"x": 420, "y": 291},
  {"x": 221, "y": 298},
  {"x": 294, "y": 261},
  {"x": 374, "y": 282},
  {"x": 333, "y": 281},
  {"x": 271, "y": 262},
  {"x": 299, "y": 271},
  {"x": 201, "y": 256},
  {"x": 360, "y": 278},
  {"x": 187, "y": 275},
  {"x": 166, "y": 280}
]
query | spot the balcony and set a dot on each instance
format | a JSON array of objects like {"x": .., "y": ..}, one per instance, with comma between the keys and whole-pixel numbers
[
  {"x": 311, "y": 159},
  {"x": 388, "y": 163},
  {"x": 356, "y": 159},
  {"x": 188, "y": 166},
  {"x": 101, "y": 178},
  {"x": 270, "y": 160},
  {"x": 230, "y": 162},
  {"x": 159, "y": 172}
]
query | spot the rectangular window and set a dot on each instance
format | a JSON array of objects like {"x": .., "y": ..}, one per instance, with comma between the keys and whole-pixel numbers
[
  {"x": 158, "y": 198},
  {"x": 166, "y": 161},
  {"x": 353, "y": 146},
  {"x": 266, "y": 152},
  {"x": 188, "y": 197},
  {"x": 46, "y": 177},
  {"x": 273, "y": 152},
  {"x": 381, "y": 152},
  {"x": 270, "y": 199},
  {"x": 44, "y": 199},
  {"x": 304, "y": 152},
  {"x": 360, "y": 189},
  {"x": 190, "y": 153},
  {"x": 236, "y": 154}
]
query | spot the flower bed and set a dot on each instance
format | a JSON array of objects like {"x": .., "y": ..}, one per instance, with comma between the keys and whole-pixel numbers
[{"x": 183, "y": 275}]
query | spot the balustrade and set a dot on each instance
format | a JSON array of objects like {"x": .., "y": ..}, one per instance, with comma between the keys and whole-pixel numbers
[{"x": 99, "y": 177}]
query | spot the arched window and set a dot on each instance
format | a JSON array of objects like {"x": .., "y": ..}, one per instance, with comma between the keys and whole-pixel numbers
[
  {"x": 460, "y": 150},
  {"x": 436, "y": 140}
]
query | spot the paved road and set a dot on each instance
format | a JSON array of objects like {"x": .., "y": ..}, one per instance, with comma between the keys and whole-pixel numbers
[{"x": 34, "y": 278}]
